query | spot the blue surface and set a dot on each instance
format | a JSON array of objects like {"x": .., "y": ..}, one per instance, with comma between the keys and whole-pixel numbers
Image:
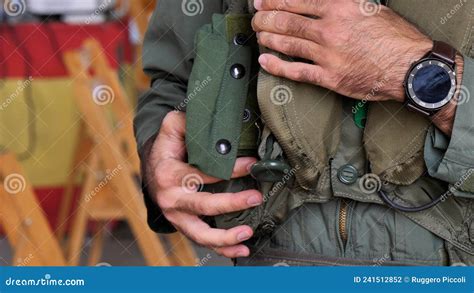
[{"x": 221, "y": 279}]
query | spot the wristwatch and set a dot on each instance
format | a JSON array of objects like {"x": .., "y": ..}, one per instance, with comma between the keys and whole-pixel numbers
[{"x": 431, "y": 82}]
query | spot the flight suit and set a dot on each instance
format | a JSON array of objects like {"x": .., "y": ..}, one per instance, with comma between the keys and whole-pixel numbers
[{"x": 333, "y": 223}]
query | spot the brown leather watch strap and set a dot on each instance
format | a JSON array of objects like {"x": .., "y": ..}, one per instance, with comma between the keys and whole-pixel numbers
[{"x": 444, "y": 51}]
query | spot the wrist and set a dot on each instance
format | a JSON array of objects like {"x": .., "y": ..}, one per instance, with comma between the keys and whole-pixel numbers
[
  {"x": 444, "y": 119},
  {"x": 397, "y": 73}
]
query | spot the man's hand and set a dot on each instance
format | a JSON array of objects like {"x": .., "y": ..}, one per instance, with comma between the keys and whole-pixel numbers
[
  {"x": 354, "y": 46},
  {"x": 176, "y": 185}
]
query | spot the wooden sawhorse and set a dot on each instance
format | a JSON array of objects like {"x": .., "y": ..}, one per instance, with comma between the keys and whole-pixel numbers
[
  {"x": 110, "y": 189},
  {"x": 23, "y": 219}
]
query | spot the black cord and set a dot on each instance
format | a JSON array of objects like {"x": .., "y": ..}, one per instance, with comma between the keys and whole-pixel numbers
[
  {"x": 427, "y": 206},
  {"x": 32, "y": 135}
]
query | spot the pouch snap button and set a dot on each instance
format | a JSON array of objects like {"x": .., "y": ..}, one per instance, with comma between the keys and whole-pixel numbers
[
  {"x": 237, "y": 71},
  {"x": 240, "y": 39},
  {"x": 223, "y": 147},
  {"x": 348, "y": 174},
  {"x": 247, "y": 116}
]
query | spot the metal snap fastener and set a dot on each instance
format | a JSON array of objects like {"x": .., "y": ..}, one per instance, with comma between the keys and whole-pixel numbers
[
  {"x": 348, "y": 174},
  {"x": 223, "y": 147},
  {"x": 240, "y": 39},
  {"x": 247, "y": 116},
  {"x": 237, "y": 71}
]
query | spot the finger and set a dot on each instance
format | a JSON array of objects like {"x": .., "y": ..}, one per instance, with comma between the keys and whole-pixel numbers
[
  {"x": 233, "y": 251},
  {"x": 315, "y": 7},
  {"x": 297, "y": 71},
  {"x": 207, "y": 204},
  {"x": 200, "y": 232},
  {"x": 285, "y": 23},
  {"x": 171, "y": 142},
  {"x": 292, "y": 46},
  {"x": 171, "y": 172}
]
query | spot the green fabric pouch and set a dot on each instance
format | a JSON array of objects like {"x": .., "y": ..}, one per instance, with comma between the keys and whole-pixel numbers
[{"x": 220, "y": 115}]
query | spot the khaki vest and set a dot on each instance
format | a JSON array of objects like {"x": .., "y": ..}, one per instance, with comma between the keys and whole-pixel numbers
[
  {"x": 316, "y": 133},
  {"x": 316, "y": 130}
]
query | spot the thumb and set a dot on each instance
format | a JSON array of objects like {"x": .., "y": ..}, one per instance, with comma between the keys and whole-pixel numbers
[{"x": 170, "y": 142}]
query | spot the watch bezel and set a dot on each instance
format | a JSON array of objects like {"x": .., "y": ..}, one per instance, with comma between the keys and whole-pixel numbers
[{"x": 417, "y": 102}]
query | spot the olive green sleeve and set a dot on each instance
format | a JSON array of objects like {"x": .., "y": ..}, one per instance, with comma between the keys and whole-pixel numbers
[
  {"x": 168, "y": 55},
  {"x": 452, "y": 160}
]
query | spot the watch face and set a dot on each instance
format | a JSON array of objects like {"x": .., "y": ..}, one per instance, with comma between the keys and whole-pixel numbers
[{"x": 431, "y": 84}]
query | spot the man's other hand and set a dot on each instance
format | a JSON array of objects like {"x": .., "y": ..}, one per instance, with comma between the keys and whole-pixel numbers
[
  {"x": 353, "y": 47},
  {"x": 176, "y": 188}
]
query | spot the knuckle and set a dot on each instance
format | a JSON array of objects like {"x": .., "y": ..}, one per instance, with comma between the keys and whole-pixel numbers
[
  {"x": 307, "y": 75},
  {"x": 334, "y": 81},
  {"x": 314, "y": 76},
  {"x": 300, "y": 75},
  {"x": 325, "y": 36},
  {"x": 280, "y": 70},
  {"x": 256, "y": 21},
  {"x": 184, "y": 205},
  {"x": 166, "y": 204},
  {"x": 221, "y": 209},
  {"x": 298, "y": 26},
  {"x": 281, "y": 22},
  {"x": 289, "y": 46},
  {"x": 265, "y": 39},
  {"x": 202, "y": 207},
  {"x": 284, "y": 4}
]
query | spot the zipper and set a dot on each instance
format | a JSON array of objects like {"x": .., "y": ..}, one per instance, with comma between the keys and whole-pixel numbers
[{"x": 343, "y": 210}]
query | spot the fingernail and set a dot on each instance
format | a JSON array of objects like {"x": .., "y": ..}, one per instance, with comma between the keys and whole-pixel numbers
[
  {"x": 254, "y": 201},
  {"x": 262, "y": 60},
  {"x": 243, "y": 236},
  {"x": 257, "y": 4}
]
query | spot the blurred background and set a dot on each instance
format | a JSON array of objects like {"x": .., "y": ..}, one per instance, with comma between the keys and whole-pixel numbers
[{"x": 70, "y": 75}]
